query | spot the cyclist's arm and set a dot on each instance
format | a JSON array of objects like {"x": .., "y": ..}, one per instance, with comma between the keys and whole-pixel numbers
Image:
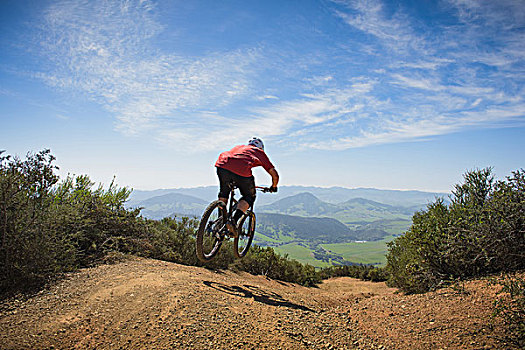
[{"x": 275, "y": 176}]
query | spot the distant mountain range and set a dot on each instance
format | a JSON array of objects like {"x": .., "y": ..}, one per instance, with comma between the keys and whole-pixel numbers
[
  {"x": 305, "y": 216},
  {"x": 345, "y": 204},
  {"x": 171, "y": 204},
  {"x": 297, "y": 228},
  {"x": 368, "y": 220},
  {"x": 350, "y": 212},
  {"x": 332, "y": 195}
]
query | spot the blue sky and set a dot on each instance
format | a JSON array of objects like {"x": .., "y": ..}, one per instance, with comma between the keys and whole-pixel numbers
[{"x": 397, "y": 95}]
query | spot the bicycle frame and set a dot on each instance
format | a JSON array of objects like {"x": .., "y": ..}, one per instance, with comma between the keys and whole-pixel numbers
[
  {"x": 233, "y": 202},
  {"x": 224, "y": 230}
]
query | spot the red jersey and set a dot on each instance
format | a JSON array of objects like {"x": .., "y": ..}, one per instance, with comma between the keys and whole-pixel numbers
[{"x": 241, "y": 159}]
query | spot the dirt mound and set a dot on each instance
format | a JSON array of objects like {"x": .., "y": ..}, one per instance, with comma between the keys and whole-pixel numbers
[{"x": 141, "y": 304}]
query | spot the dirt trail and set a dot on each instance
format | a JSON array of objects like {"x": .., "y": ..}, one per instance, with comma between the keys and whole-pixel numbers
[{"x": 150, "y": 304}]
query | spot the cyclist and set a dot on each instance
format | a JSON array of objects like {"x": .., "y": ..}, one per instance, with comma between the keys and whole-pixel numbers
[{"x": 236, "y": 165}]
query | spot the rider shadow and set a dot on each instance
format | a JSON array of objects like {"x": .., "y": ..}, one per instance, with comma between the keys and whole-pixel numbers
[{"x": 258, "y": 294}]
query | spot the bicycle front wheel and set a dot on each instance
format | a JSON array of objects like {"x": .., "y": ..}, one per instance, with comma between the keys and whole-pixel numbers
[
  {"x": 244, "y": 239},
  {"x": 211, "y": 231}
]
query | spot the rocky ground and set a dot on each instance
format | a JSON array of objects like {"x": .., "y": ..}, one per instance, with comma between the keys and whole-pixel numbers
[{"x": 150, "y": 304}]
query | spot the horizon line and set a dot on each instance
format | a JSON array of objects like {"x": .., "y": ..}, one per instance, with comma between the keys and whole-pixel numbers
[{"x": 304, "y": 186}]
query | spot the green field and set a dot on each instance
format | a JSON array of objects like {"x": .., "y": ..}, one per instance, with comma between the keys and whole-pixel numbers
[
  {"x": 372, "y": 252},
  {"x": 300, "y": 253},
  {"x": 397, "y": 227},
  {"x": 361, "y": 252},
  {"x": 264, "y": 240}
]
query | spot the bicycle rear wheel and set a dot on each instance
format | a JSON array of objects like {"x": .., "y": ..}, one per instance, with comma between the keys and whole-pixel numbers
[
  {"x": 244, "y": 239},
  {"x": 211, "y": 231}
]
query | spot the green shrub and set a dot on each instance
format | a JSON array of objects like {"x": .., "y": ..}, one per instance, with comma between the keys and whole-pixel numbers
[
  {"x": 95, "y": 220},
  {"x": 266, "y": 262},
  {"x": 49, "y": 226},
  {"x": 30, "y": 249},
  {"x": 172, "y": 239},
  {"x": 479, "y": 233},
  {"x": 364, "y": 272},
  {"x": 377, "y": 274},
  {"x": 511, "y": 308}
]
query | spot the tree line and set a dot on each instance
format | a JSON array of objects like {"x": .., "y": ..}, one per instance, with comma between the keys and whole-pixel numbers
[
  {"x": 50, "y": 226},
  {"x": 482, "y": 232}
]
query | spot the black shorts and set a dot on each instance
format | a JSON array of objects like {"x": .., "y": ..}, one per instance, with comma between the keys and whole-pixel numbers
[{"x": 245, "y": 184}]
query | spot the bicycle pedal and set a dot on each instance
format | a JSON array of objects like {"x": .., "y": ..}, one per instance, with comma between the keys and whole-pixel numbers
[
  {"x": 232, "y": 234},
  {"x": 230, "y": 226}
]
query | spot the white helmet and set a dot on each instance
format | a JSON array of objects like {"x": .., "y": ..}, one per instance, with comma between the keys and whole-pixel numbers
[{"x": 257, "y": 142}]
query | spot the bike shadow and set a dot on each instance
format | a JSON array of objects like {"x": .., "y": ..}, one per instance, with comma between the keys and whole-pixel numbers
[{"x": 258, "y": 294}]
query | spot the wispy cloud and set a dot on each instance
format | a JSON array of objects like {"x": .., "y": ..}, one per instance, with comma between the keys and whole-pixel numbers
[
  {"x": 393, "y": 31},
  {"x": 104, "y": 49},
  {"x": 419, "y": 129},
  {"x": 436, "y": 83},
  {"x": 401, "y": 81},
  {"x": 320, "y": 80},
  {"x": 417, "y": 83},
  {"x": 266, "y": 97},
  {"x": 297, "y": 116}
]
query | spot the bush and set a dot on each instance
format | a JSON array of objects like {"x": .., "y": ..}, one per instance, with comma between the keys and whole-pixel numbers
[
  {"x": 172, "y": 239},
  {"x": 481, "y": 232},
  {"x": 364, "y": 272},
  {"x": 264, "y": 261},
  {"x": 95, "y": 220},
  {"x": 511, "y": 308},
  {"x": 48, "y": 227},
  {"x": 30, "y": 250}
]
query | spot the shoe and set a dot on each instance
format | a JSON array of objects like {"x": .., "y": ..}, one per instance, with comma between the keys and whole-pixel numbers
[{"x": 232, "y": 227}]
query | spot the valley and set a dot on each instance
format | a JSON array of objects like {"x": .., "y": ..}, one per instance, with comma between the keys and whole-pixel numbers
[{"x": 346, "y": 226}]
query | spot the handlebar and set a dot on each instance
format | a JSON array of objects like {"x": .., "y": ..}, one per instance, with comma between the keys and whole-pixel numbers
[{"x": 263, "y": 189}]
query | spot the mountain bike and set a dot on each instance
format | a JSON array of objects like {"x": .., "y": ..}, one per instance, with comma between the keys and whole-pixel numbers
[{"x": 216, "y": 226}]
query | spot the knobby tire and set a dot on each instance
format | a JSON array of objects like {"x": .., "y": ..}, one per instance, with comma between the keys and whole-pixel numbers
[
  {"x": 205, "y": 233},
  {"x": 244, "y": 239}
]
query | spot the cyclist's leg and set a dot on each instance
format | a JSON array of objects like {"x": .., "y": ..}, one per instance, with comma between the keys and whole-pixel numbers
[
  {"x": 243, "y": 205},
  {"x": 225, "y": 177},
  {"x": 247, "y": 187}
]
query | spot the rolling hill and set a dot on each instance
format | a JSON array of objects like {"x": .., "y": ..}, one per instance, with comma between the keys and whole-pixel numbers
[
  {"x": 315, "y": 225},
  {"x": 302, "y": 204},
  {"x": 331, "y": 195},
  {"x": 356, "y": 211},
  {"x": 308, "y": 229},
  {"x": 171, "y": 204}
]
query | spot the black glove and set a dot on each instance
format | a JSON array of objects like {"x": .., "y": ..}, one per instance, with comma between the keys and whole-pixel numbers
[{"x": 273, "y": 189}]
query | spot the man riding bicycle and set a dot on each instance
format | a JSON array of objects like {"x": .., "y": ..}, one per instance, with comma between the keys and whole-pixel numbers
[{"x": 236, "y": 166}]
